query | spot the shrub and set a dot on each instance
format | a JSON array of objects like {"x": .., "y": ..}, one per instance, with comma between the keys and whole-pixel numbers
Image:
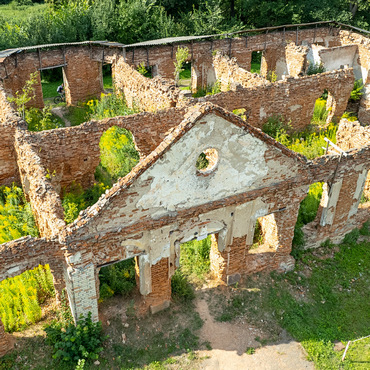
[
  {"x": 315, "y": 68},
  {"x": 319, "y": 113},
  {"x": 356, "y": 91},
  {"x": 21, "y": 296},
  {"x": 181, "y": 289},
  {"x": 72, "y": 343},
  {"x": 109, "y": 105},
  {"x": 40, "y": 120},
  {"x": 77, "y": 199},
  {"x": 271, "y": 76},
  {"x": 117, "y": 279}
]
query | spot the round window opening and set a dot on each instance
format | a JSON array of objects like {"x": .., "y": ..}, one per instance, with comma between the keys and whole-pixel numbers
[{"x": 207, "y": 161}]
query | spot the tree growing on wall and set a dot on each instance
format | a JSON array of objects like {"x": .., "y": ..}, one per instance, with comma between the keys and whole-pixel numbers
[
  {"x": 27, "y": 93},
  {"x": 182, "y": 54}
]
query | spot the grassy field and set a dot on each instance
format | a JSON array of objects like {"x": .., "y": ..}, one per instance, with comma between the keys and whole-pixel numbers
[{"x": 12, "y": 13}]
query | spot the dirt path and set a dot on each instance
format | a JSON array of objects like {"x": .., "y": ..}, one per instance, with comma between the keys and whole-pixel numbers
[
  {"x": 229, "y": 342},
  {"x": 59, "y": 111}
]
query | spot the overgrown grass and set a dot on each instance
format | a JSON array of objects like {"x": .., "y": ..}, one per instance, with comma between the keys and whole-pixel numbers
[
  {"x": 16, "y": 14},
  {"x": 330, "y": 303},
  {"x": 310, "y": 142},
  {"x": 77, "y": 114},
  {"x": 21, "y": 297},
  {"x": 16, "y": 218},
  {"x": 107, "y": 82},
  {"x": 49, "y": 89}
]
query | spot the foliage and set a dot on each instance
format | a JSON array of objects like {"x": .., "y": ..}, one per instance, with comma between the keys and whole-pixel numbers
[
  {"x": 309, "y": 142},
  {"x": 76, "y": 199},
  {"x": 16, "y": 219},
  {"x": 109, "y": 105},
  {"x": 194, "y": 259},
  {"x": 142, "y": 69},
  {"x": 117, "y": 279},
  {"x": 180, "y": 287},
  {"x": 356, "y": 92},
  {"x": 202, "y": 162},
  {"x": 182, "y": 54},
  {"x": 73, "y": 343},
  {"x": 319, "y": 113},
  {"x": 21, "y": 296},
  {"x": 21, "y": 98},
  {"x": 209, "y": 90},
  {"x": 117, "y": 152},
  {"x": 40, "y": 120},
  {"x": 314, "y": 69},
  {"x": 271, "y": 76}
]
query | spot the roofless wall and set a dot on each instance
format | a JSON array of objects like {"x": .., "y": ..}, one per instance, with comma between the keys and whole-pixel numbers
[{"x": 165, "y": 200}]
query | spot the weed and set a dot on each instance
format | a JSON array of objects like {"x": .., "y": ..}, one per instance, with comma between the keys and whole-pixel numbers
[
  {"x": 356, "y": 92},
  {"x": 250, "y": 351},
  {"x": 181, "y": 289},
  {"x": 73, "y": 343},
  {"x": 315, "y": 68}
]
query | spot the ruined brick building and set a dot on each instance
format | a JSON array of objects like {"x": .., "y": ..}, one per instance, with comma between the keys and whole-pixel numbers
[{"x": 165, "y": 200}]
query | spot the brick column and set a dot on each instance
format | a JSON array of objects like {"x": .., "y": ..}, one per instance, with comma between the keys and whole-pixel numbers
[
  {"x": 5, "y": 344},
  {"x": 57, "y": 271},
  {"x": 82, "y": 292},
  {"x": 229, "y": 264},
  {"x": 160, "y": 295}
]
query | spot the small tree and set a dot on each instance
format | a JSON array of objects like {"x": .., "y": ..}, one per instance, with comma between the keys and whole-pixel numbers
[
  {"x": 182, "y": 54},
  {"x": 23, "y": 97}
]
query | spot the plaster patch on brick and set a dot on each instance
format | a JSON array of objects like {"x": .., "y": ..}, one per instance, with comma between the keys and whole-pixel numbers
[{"x": 329, "y": 210}]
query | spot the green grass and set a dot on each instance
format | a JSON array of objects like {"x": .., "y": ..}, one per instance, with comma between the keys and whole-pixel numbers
[
  {"x": 256, "y": 67},
  {"x": 49, "y": 89},
  {"x": 186, "y": 73},
  {"x": 107, "y": 82},
  {"x": 15, "y": 14},
  {"x": 77, "y": 115},
  {"x": 334, "y": 306}
]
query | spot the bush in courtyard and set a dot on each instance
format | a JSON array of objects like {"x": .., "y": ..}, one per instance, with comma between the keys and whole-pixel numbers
[
  {"x": 77, "y": 199},
  {"x": 72, "y": 343},
  {"x": 314, "y": 69},
  {"x": 117, "y": 279},
  {"x": 356, "y": 92}
]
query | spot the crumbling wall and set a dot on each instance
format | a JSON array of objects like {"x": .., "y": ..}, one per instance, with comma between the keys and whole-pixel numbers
[
  {"x": 9, "y": 120},
  {"x": 362, "y": 59},
  {"x": 72, "y": 154},
  {"x": 45, "y": 202},
  {"x": 352, "y": 135},
  {"x": 294, "y": 98},
  {"x": 82, "y": 75},
  {"x": 142, "y": 92},
  {"x": 6, "y": 344},
  {"x": 296, "y": 59},
  {"x": 229, "y": 74}
]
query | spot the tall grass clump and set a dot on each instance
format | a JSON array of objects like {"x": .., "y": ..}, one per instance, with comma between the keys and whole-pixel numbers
[
  {"x": 21, "y": 297},
  {"x": 320, "y": 113},
  {"x": 109, "y": 105},
  {"x": 16, "y": 218},
  {"x": 310, "y": 142},
  {"x": 117, "y": 152}
]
